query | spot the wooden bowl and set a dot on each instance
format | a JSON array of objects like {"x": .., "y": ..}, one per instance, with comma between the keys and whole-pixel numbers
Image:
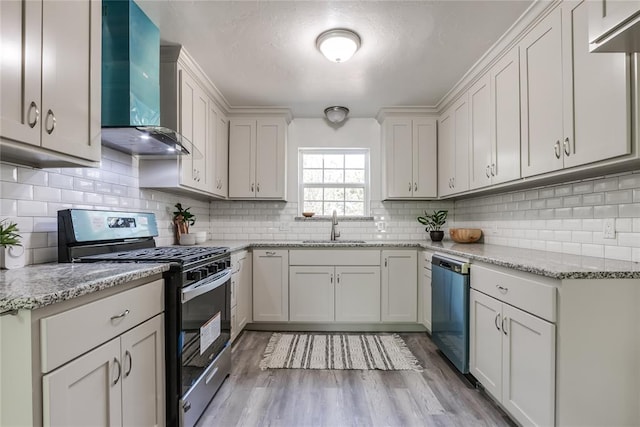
[
  {"x": 308, "y": 214},
  {"x": 465, "y": 235}
]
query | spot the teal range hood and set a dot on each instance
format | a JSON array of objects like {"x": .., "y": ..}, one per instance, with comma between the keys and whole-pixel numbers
[{"x": 131, "y": 84}]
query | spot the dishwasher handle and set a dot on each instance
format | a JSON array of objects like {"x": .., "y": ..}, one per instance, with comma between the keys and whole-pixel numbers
[{"x": 454, "y": 265}]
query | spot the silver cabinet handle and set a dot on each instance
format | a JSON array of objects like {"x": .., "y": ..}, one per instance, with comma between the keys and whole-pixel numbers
[
  {"x": 338, "y": 278},
  {"x": 415, "y": 186},
  {"x": 502, "y": 289},
  {"x": 504, "y": 328},
  {"x": 258, "y": 187},
  {"x": 117, "y": 363},
  {"x": 567, "y": 147},
  {"x": 127, "y": 355},
  {"x": 495, "y": 321},
  {"x": 488, "y": 172},
  {"x": 493, "y": 169},
  {"x": 53, "y": 122},
  {"x": 270, "y": 253},
  {"x": 252, "y": 188},
  {"x": 409, "y": 186},
  {"x": 453, "y": 182},
  {"x": 385, "y": 262},
  {"x": 556, "y": 149},
  {"x": 331, "y": 278},
  {"x": 33, "y": 107},
  {"x": 121, "y": 315}
]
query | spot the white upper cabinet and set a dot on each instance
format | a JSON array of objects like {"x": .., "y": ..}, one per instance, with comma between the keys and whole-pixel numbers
[
  {"x": 614, "y": 25},
  {"x": 481, "y": 150},
  {"x": 574, "y": 106},
  {"x": 50, "y": 78},
  {"x": 217, "y": 156},
  {"x": 453, "y": 148},
  {"x": 410, "y": 141},
  {"x": 257, "y": 158}
]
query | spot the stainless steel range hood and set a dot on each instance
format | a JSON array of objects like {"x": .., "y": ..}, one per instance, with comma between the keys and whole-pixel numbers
[{"x": 131, "y": 85}]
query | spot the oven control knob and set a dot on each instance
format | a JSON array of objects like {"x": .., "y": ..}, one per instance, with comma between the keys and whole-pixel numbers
[
  {"x": 204, "y": 273},
  {"x": 212, "y": 269},
  {"x": 228, "y": 263},
  {"x": 221, "y": 265},
  {"x": 194, "y": 275}
]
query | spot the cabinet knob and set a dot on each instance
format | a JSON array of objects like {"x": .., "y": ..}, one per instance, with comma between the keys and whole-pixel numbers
[
  {"x": 53, "y": 122},
  {"x": 556, "y": 149},
  {"x": 33, "y": 107},
  {"x": 567, "y": 147}
]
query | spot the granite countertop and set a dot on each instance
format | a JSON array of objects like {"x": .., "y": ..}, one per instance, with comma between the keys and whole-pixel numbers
[
  {"x": 549, "y": 264},
  {"x": 36, "y": 286}
]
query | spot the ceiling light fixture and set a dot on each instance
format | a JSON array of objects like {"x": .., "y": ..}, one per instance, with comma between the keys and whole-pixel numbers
[
  {"x": 336, "y": 114},
  {"x": 338, "y": 45}
]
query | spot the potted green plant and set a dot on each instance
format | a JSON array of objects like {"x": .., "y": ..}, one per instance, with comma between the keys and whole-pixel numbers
[
  {"x": 10, "y": 257},
  {"x": 182, "y": 218},
  {"x": 434, "y": 223}
]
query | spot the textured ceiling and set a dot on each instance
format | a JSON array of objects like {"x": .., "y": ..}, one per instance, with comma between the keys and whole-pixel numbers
[{"x": 263, "y": 53}]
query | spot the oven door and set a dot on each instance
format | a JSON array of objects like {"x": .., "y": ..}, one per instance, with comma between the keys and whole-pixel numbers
[{"x": 206, "y": 326}]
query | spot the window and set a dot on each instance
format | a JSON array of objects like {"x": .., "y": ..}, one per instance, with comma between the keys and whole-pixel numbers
[{"x": 334, "y": 179}]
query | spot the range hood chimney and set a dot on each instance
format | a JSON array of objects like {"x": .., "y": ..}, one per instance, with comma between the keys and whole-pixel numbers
[{"x": 131, "y": 84}]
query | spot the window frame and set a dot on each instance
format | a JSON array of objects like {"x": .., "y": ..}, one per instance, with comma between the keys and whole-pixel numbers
[{"x": 330, "y": 150}]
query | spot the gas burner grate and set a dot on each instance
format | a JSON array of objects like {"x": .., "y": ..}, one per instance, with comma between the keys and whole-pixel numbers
[{"x": 162, "y": 254}]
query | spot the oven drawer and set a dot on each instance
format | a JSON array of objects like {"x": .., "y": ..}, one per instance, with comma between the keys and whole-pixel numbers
[
  {"x": 69, "y": 334},
  {"x": 518, "y": 290}
]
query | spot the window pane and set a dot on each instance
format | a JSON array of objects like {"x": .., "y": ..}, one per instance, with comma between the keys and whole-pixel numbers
[
  {"x": 312, "y": 207},
  {"x": 312, "y": 176},
  {"x": 334, "y": 161},
  {"x": 312, "y": 194},
  {"x": 354, "y": 209},
  {"x": 334, "y": 194},
  {"x": 354, "y": 161},
  {"x": 354, "y": 176},
  {"x": 355, "y": 194},
  {"x": 329, "y": 207},
  {"x": 312, "y": 161},
  {"x": 333, "y": 176}
]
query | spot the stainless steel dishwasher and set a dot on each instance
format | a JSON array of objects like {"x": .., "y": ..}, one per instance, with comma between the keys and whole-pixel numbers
[{"x": 450, "y": 309}]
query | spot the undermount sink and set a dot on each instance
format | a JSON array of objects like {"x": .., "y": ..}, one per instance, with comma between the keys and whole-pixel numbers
[{"x": 333, "y": 241}]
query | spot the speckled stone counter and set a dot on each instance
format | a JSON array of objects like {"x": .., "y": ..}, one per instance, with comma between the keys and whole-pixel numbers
[
  {"x": 549, "y": 264},
  {"x": 40, "y": 285}
]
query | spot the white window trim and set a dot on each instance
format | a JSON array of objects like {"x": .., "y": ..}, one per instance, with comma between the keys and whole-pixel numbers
[{"x": 330, "y": 150}]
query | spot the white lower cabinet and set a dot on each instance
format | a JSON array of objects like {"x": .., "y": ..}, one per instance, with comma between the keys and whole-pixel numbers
[
  {"x": 270, "y": 285},
  {"x": 399, "y": 286},
  {"x": 358, "y": 294},
  {"x": 424, "y": 290},
  {"x": 311, "y": 294},
  {"x": 241, "y": 279},
  {"x": 512, "y": 352},
  {"x": 118, "y": 383}
]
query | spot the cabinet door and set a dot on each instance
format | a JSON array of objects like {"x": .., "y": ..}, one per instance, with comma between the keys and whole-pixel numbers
[
  {"x": 311, "y": 294},
  {"x": 480, "y": 147},
  {"x": 426, "y": 298},
  {"x": 222, "y": 157},
  {"x": 425, "y": 170},
  {"x": 485, "y": 342},
  {"x": 143, "y": 369},
  {"x": 505, "y": 126},
  {"x": 446, "y": 153},
  {"x": 212, "y": 143},
  {"x": 20, "y": 70},
  {"x": 86, "y": 391},
  {"x": 270, "y": 155},
  {"x": 242, "y": 161},
  {"x": 357, "y": 294},
  {"x": 398, "y": 157},
  {"x": 528, "y": 365},
  {"x": 541, "y": 96},
  {"x": 71, "y": 77},
  {"x": 194, "y": 110},
  {"x": 243, "y": 302},
  {"x": 461, "y": 138},
  {"x": 270, "y": 285},
  {"x": 399, "y": 286},
  {"x": 598, "y": 87}
]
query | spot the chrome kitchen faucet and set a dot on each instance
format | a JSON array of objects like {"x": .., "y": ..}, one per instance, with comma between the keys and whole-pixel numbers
[{"x": 334, "y": 222}]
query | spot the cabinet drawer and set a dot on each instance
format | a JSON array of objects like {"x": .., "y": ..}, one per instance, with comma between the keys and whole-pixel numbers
[
  {"x": 529, "y": 295},
  {"x": 334, "y": 257},
  {"x": 69, "y": 334}
]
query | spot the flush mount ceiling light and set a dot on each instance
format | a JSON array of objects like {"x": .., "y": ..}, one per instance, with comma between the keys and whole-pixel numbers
[
  {"x": 338, "y": 45},
  {"x": 336, "y": 114}
]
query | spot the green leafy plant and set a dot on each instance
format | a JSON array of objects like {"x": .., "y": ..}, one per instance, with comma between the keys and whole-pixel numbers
[
  {"x": 182, "y": 218},
  {"x": 8, "y": 234},
  {"x": 434, "y": 221}
]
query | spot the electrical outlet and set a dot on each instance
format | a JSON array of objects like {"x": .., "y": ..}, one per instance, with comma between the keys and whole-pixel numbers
[{"x": 609, "y": 228}]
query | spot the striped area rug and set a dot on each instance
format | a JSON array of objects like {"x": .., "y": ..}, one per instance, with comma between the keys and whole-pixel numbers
[{"x": 338, "y": 351}]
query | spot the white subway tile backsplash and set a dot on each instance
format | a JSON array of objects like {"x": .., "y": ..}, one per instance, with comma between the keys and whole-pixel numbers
[
  {"x": 47, "y": 194},
  {"x": 33, "y": 176},
  {"x": 72, "y": 196},
  {"x": 8, "y": 207},
  {"x": 607, "y": 184},
  {"x": 8, "y": 173},
  {"x": 60, "y": 181},
  {"x": 32, "y": 208},
  {"x": 14, "y": 190},
  {"x": 607, "y": 211},
  {"x": 618, "y": 252},
  {"x": 593, "y": 199},
  {"x": 629, "y": 181},
  {"x": 616, "y": 197},
  {"x": 593, "y": 250},
  {"x": 630, "y": 210},
  {"x": 81, "y": 184}
]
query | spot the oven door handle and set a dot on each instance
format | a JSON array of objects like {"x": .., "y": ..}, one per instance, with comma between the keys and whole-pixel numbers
[{"x": 197, "y": 289}]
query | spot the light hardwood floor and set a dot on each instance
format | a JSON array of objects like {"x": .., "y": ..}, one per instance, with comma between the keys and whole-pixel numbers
[{"x": 438, "y": 396}]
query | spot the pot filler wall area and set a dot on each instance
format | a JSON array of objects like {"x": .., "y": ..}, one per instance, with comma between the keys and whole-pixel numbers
[{"x": 567, "y": 218}]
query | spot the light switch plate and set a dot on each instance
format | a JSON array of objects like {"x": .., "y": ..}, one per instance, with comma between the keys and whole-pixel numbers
[{"x": 609, "y": 228}]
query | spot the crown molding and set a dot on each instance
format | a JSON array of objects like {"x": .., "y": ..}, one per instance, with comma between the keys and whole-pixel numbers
[{"x": 387, "y": 112}]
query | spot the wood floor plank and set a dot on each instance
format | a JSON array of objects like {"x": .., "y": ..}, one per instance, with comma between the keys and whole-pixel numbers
[{"x": 438, "y": 396}]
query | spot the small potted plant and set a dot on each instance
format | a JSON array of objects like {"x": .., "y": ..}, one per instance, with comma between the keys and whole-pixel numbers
[
  {"x": 10, "y": 256},
  {"x": 182, "y": 218},
  {"x": 434, "y": 223}
]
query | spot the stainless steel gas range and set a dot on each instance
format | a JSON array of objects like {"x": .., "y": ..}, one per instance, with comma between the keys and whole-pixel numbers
[{"x": 197, "y": 299}]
